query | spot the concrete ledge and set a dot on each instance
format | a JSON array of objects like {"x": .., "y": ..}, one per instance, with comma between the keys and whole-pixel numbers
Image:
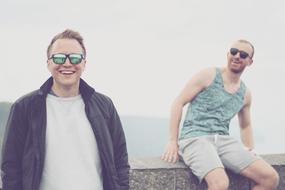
[{"x": 155, "y": 174}]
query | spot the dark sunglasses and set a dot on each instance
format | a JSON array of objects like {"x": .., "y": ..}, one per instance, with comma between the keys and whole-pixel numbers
[
  {"x": 242, "y": 54},
  {"x": 60, "y": 58}
]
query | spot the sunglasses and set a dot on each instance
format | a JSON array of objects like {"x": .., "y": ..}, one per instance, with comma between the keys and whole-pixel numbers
[
  {"x": 60, "y": 58},
  {"x": 242, "y": 54}
]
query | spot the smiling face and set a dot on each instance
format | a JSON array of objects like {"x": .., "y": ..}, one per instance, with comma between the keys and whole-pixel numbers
[
  {"x": 66, "y": 76},
  {"x": 236, "y": 64}
]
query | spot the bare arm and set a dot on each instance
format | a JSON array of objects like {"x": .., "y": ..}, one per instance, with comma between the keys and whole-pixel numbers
[
  {"x": 192, "y": 88},
  {"x": 245, "y": 122}
]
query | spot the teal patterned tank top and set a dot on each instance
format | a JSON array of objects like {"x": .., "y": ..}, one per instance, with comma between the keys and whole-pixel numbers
[{"x": 212, "y": 109}]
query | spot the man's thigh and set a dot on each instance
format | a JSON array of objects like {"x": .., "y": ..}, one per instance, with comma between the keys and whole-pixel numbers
[
  {"x": 200, "y": 155},
  {"x": 233, "y": 155},
  {"x": 258, "y": 171}
]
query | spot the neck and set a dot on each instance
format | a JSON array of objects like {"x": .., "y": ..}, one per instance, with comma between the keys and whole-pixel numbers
[
  {"x": 230, "y": 76},
  {"x": 65, "y": 91}
]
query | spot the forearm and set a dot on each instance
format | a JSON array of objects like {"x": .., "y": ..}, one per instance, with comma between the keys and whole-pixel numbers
[
  {"x": 175, "y": 118},
  {"x": 122, "y": 165},
  {"x": 123, "y": 174},
  {"x": 247, "y": 137},
  {"x": 120, "y": 150}
]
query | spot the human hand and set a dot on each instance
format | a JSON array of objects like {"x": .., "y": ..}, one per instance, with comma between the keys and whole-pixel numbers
[
  {"x": 251, "y": 150},
  {"x": 171, "y": 152}
]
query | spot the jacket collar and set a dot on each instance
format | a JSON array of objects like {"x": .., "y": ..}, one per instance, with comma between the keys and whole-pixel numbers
[{"x": 85, "y": 90}]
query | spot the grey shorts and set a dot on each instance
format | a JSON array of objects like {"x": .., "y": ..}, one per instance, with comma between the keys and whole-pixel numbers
[{"x": 205, "y": 153}]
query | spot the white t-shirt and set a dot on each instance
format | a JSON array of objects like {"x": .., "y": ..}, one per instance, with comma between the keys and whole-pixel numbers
[{"x": 72, "y": 159}]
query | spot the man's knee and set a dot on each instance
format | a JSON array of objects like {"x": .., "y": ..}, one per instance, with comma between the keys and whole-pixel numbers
[
  {"x": 263, "y": 174},
  {"x": 217, "y": 180},
  {"x": 219, "y": 184},
  {"x": 270, "y": 180}
]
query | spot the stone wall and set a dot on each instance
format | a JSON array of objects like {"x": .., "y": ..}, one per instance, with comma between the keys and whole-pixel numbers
[{"x": 155, "y": 174}]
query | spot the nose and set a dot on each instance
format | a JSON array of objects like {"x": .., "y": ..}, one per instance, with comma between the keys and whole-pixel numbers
[{"x": 67, "y": 62}]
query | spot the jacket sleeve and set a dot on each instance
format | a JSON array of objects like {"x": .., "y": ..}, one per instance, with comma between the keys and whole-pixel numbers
[
  {"x": 120, "y": 150},
  {"x": 12, "y": 150}
]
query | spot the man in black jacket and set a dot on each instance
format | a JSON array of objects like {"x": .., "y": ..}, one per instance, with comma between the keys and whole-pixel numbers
[{"x": 65, "y": 135}]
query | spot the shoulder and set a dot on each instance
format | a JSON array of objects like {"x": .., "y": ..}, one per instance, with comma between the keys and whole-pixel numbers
[
  {"x": 99, "y": 97},
  {"x": 104, "y": 102},
  {"x": 27, "y": 98},
  {"x": 90, "y": 94},
  {"x": 22, "y": 108},
  {"x": 207, "y": 72},
  {"x": 205, "y": 77}
]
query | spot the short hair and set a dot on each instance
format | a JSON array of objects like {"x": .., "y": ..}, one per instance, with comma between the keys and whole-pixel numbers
[
  {"x": 67, "y": 34},
  {"x": 249, "y": 43}
]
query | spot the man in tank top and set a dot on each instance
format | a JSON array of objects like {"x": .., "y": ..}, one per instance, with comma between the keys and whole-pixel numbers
[{"x": 215, "y": 96}]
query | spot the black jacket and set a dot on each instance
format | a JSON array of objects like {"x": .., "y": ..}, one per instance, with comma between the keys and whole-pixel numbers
[{"x": 24, "y": 142}]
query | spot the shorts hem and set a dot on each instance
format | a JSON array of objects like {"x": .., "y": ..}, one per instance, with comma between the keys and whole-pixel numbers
[
  {"x": 206, "y": 173},
  {"x": 248, "y": 164}
]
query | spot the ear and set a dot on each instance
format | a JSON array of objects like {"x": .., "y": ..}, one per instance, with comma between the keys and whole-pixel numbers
[
  {"x": 48, "y": 64},
  {"x": 228, "y": 54},
  {"x": 83, "y": 64},
  {"x": 250, "y": 62}
]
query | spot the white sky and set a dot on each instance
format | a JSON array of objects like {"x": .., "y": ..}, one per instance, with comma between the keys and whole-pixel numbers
[{"x": 141, "y": 53}]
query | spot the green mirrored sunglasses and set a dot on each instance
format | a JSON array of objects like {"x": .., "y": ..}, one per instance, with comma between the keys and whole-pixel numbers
[{"x": 60, "y": 58}]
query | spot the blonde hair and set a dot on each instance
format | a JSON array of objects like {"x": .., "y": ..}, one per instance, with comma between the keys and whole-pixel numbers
[{"x": 67, "y": 34}]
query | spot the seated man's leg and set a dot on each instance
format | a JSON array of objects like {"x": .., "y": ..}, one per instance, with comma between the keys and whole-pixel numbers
[
  {"x": 200, "y": 154},
  {"x": 239, "y": 160},
  {"x": 263, "y": 174},
  {"x": 217, "y": 179}
]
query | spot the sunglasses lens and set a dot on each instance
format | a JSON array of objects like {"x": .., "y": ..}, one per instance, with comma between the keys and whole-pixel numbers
[
  {"x": 75, "y": 58},
  {"x": 243, "y": 54},
  {"x": 59, "y": 58},
  {"x": 233, "y": 51}
]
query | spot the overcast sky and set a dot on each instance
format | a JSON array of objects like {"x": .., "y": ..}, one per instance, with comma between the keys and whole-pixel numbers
[{"x": 142, "y": 53}]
